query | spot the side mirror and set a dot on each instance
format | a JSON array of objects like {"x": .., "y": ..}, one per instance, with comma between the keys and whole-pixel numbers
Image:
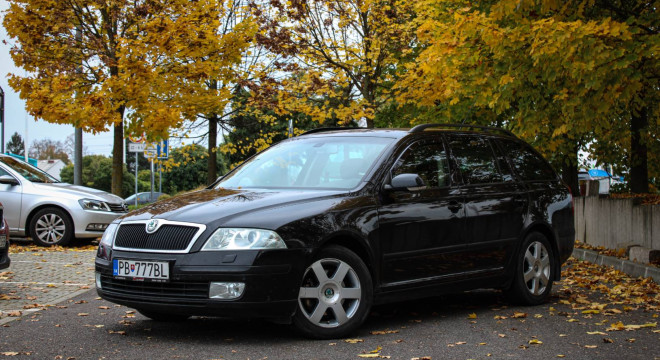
[
  {"x": 406, "y": 182},
  {"x": 8, "y": 180}
]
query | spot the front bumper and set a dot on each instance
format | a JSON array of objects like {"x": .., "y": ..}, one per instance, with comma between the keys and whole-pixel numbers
[
  {"x": 272, "y": 281},
  {"x": 82, "y": 218}
]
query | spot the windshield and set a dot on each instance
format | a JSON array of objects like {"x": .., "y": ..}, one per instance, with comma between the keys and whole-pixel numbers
[
  {"x": 315, "y": 163},
  {"x": 27, "y": 171}
]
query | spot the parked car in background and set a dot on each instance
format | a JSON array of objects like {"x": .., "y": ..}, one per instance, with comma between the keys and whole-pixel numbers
[
  {"x": 4, "y": 240},
  {"x": 143, "y": 198},
  {"x": 49, "y": 211},
  {"x": 318, "y": 228}
]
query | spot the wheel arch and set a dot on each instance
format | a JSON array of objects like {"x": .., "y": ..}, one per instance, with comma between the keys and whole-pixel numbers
[
  {"x": 356, "y": 245},
  {"x": 30, "y": 216}
]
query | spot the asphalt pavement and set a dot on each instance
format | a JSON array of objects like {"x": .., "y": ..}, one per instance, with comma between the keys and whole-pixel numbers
[{"x": 61, "y": 317}]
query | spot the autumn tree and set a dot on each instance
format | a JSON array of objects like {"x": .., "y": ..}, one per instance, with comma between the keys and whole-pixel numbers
[
  {"x": 15, "y": 145},
  {"x": 48, "y": 149},
  {"x": 561, "y": 74},
  {"x": 341, "y": 56},
  {"x": 187, "y": 169},
  {"x": 254, "y": 128},
  {"x": 194, "y": 83},
  {"x": 135, "y": 64},
  {"x": 97, "y": 174}
]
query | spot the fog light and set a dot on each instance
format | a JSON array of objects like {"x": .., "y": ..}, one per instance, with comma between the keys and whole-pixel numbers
[
  {"x": 97, "y": 227},
  {"x": 226, "y": 290},
  {"x": 98, "y": 280}
]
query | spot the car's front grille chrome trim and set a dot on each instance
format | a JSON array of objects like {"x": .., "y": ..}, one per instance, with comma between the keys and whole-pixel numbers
[
  {"x": 170, "y": 237},
  {"x": 118, "y": 208}
]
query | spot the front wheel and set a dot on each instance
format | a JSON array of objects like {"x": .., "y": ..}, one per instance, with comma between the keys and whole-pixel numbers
[
  {"x": 51, "y": 226},
  {"x": 535, "y": 263},
  {"x": 335, "y": 295}
]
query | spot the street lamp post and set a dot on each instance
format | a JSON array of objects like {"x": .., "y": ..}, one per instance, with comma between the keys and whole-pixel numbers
[{"x": 2, "y": 119}]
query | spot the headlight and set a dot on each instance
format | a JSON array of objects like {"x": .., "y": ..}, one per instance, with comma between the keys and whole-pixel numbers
[
  {"x": 108, "y": 238},
  {"x": 89, "y": 204},
  {"x": 243, "y": 239}
]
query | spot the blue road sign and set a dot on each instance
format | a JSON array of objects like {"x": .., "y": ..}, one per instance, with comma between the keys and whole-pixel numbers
[{"x": 163, "y": 149}]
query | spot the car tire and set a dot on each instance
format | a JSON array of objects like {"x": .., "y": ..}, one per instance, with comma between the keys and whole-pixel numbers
[
  {"x": 51, "y": 226},
  {"x": 335, "y": 296},
  {"x": 163, "y": 317},
  {"x": 535, "y": 262}
]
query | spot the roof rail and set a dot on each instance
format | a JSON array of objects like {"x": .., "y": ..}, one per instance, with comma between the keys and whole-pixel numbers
[
  {"x": 421, "y": 128},
  {"x": 313, "y": 131}
]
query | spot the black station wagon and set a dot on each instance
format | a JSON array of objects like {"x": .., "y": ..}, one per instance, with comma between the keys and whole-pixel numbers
[{"x": 318, "y": 228}]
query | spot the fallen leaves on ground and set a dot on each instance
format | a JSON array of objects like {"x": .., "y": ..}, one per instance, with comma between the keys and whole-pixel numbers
[
  {"x": 20, "y": 247},
  {"x": 353, "y": 341},
  {"x": 383, "y": 332}
]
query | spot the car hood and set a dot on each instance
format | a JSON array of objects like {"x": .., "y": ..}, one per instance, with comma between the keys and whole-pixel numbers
[
  {"x": 80, "y": 192},
  {"x": 206, "y": 206}
]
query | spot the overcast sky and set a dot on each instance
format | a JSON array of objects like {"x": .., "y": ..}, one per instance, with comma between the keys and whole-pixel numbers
[{"x": 16, "y": 117}]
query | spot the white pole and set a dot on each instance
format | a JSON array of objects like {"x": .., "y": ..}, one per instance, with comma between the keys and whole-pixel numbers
[
  {"x": 136, "y": 180},
  {"x": 152, "y": 179}
]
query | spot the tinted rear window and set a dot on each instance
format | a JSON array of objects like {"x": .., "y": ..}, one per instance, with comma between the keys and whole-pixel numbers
[{"x": 526, "y": 162}]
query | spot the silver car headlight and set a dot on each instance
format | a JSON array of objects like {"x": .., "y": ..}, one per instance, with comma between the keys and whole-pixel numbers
[
  {"x": 243, "y": 239},
  {"x": 96, "y": 205}
]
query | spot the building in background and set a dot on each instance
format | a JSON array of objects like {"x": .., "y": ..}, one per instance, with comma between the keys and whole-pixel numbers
[{"x": 52, "y": 167}]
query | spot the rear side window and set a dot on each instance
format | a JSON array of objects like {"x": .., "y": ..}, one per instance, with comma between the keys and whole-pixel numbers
[
  {"x": 428, "y": 160},
  {"x": 526, "y": 162},
  {"x": 475, "y": 159}
]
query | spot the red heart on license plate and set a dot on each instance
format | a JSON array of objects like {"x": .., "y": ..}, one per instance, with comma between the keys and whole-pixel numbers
[{"x": 132, "y": 268}]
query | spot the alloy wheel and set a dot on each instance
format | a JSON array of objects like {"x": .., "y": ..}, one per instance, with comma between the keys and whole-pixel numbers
[
  {"x": 536, "y": 268},
  {"x": 50, "y": 228},
  {"x": 330, "y": 294}
]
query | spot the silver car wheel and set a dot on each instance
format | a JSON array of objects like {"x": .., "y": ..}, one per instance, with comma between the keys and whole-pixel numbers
[
  {"x": 536, "y": 268},
  {"x": 50, "y": 228},
  {"x": 330, "y": 294}
]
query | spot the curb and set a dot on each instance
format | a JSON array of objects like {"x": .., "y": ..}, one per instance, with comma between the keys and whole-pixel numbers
[{"x": 629, "y": 267}]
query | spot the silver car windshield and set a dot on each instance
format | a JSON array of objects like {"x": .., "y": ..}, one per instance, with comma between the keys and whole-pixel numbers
[
  {"x": 309, "y": 163},
  {"x": 27, "y": 171}
]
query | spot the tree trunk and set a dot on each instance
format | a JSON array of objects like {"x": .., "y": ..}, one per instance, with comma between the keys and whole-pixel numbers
[
  {"x": 213, "y": 142},
  {"x": 118, "y": 156},
  {"x": 639, "y": 172},
  {"x": 569, "y": 171}
]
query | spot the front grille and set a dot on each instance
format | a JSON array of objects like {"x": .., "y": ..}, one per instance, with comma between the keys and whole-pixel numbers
[
  {"x": 122, "y": 208},
  {"x": 167, "y": 237},
  {"x": 166, "y": 291}
]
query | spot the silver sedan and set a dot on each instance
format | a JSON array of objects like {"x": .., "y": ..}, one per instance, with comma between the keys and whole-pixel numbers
[{"x": 51, "y": 212}]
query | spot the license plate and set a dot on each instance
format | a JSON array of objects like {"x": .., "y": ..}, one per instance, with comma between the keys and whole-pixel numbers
[
  {"x": 3, "y": 241},
  {"x": 141, "y": 270}
]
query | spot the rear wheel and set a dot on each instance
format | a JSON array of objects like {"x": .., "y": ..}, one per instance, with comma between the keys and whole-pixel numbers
[
  {"x": 163, "y": 317},
  {"x": 532, "y": 281},
  {"x": 51, "y": 226},
  {"x": 335, "y": 295}
]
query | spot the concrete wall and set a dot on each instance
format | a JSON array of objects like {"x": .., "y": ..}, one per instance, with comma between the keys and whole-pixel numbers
[{"x": 616, "y": 223}]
